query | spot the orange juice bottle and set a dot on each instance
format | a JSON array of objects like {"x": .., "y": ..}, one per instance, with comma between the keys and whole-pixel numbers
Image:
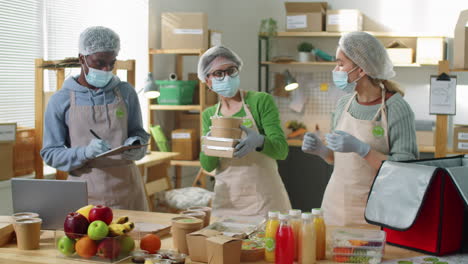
[
  {"x": 295, "y": 220},
  {"x": 270, "y": 235},
  {"x": 320, "y": 232}
]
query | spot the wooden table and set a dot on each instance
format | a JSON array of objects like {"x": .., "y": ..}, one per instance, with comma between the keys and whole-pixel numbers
[{"x": 48, "y": 254}]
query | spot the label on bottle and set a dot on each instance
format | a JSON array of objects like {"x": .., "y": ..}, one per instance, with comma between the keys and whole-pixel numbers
[{"x": 270, "y": 244}]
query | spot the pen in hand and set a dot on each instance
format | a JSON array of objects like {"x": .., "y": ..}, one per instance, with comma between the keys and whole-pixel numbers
[{"x": 94, "y": 134}]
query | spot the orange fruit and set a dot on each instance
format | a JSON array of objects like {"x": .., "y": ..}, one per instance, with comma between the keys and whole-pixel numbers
[
  {"x": 86, "y": 247},
  {"x": 150, "y": 243}
]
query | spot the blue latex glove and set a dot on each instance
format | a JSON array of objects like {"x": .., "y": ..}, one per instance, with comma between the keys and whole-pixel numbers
[
  {"x": 313, "y": 145},
  {"x": 341, "y": 141},
  {"x": 251, "y": 142},
  {"x": 134, "y": 154},
  {"x": 96, "y": 147}
]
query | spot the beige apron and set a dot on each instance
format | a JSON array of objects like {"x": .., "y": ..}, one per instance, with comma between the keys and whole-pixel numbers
[
  {"x": 112, "y": 181},
  {"x": 346, "y": 194},
  {"x": 249, "y": 186}
]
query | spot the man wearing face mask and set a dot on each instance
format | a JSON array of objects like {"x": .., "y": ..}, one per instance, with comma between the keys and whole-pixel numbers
[
  {"x": 97, "y": 100},
  {"x": 249, "y": 184},
  {"x": 372, "y": 123}
]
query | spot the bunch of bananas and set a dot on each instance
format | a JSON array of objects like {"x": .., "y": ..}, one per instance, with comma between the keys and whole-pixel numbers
[{"x": 121, "y": 226}]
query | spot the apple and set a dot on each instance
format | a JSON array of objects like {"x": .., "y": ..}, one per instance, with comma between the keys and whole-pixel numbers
[
  {"x": 98, "y": 230},
  {"x": 75, "y": 225},
  {"x": 127, "y": 244},
  {"x": 66, "y": 246},
  {"x": 100, "y": 212},
  {"x": 108, "y": 248},
  {"x": 85, "y": 210}
]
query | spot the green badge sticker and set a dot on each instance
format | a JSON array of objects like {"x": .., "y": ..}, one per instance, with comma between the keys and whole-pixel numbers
[
  {"x": 119, "y": 113},
  {"x": 247, "y": 123},
  {"x": 378, "y": 131},
  {"x": 270, "y": 244}
]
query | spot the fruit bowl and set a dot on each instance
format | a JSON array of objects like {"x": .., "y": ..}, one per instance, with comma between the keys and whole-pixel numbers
[{"x": 105, "y": 250}]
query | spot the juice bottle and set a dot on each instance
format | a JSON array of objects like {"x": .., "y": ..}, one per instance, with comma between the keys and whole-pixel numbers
[
  {"x": 295, "y": 216},
  {"x": 284, "y": 242},
  {"x": 307, "y": 240},
  {"x": 320, "y": 231},
  {"x": 270, "y": 236}
]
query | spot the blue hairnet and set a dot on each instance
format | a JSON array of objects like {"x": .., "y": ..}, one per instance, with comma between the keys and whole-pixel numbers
[
  {"x": 205, "y": 62},
  {"x": 98, "y": 39}
]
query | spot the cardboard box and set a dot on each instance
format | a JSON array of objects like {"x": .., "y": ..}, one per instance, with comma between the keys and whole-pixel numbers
[
  {"x": 460, "y": 139},
  {"x": 6, "y": 161},
  {"x": 185, "y": 141},
  {"x": 197, "y": 244},
  {"x": 302, "y": 16},
  {"x": 399, "y": 53},
  {"x": 430, "y": 50},
  {"x": 235, "y": 133},
  {"x": 223, "y": 250},
  {"x": 460, "y": 42},
  {"x": 425, "y": 138},
  {"x": 184, "y": 31},
  {"x": 344, "y": 20},
  {"x": 222, "y": 152}
]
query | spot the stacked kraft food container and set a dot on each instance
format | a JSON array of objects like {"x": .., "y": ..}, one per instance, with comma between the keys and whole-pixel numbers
[{"x": 224, "y": 135}]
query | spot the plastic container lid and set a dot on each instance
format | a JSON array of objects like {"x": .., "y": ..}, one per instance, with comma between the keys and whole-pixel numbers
[
  {"x": 284, "y": 217},
  {"x": 295, "y": 212},
  {"x": 306, "y": 216},
  {"x": 317, "y": 211},
  {"x": 272, "y": 214}
]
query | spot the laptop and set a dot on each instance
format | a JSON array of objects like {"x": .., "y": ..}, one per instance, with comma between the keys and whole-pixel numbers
[{"x": 51, "y": 199}]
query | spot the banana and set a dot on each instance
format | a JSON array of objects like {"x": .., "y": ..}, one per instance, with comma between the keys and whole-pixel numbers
[
  {"x": 121, "y": 226},
  {"x": 121, "y": 220}
]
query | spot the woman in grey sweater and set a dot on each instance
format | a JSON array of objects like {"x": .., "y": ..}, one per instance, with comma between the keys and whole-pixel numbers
[{"x": 371, "y": 124}]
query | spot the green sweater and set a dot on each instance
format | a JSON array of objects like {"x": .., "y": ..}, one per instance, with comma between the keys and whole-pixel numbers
[
  {"x": 266, "y": 116},
  {"x": 401, "y": 128}
]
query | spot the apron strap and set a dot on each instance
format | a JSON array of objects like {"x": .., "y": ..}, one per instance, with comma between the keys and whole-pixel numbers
[
  {"x": 382, "y": 110},
  {"x": 72, "y": 98},
  {"x": 219, "y": 103}
]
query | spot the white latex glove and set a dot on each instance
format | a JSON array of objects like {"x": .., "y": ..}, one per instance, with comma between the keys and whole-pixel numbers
[
  {"x": 313, "y": 145},
  {"x": 134, "y": 154},
  {"x": 341, "y": 141},
  {"x": 96, "y": 147},
  {"x": 251, "y": 142}
]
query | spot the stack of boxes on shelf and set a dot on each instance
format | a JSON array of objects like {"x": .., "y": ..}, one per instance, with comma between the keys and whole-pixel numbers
[{"x": 225, "y": 135}]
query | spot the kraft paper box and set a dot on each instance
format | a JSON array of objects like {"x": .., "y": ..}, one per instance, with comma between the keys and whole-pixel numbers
[
  {"x": 344, "y": 20},
  {"x": 185, "y": 142},
  {"x": 399, "y": 53},
  {"x": 197, "y": 244},
  {"x": 302, "y": 16},
  {"x": 430, "y": 50},
  {"x": 223, "y": 250},
  {"x": 184, "y": 31},
  {"x": 460, "y": 42},
  {"x": 460, "y": 138}
]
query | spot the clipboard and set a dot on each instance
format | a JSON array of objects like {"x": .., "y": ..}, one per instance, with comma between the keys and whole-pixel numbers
[
  {"x": 443, "y": 94},
  {"x": 119, "y": 150}
]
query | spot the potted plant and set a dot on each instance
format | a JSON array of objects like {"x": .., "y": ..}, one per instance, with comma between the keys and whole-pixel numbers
[{"x": 304, "y": 51}]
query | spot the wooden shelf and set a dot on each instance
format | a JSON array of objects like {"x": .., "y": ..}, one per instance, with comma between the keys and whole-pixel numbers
[
  {"x": 339, "y": 34},
  {"x": 193, "y": 52},
  {"x": 176, "y": 107},
  {"x": 331, "y": 63},
  {"x": 186, "y": 163},
  {"x": 294, "y": 142},
  {"x": 459, "y": 70}
]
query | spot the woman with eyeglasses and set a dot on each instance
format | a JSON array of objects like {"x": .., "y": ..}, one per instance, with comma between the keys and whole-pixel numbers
[{"x": 248, "y": 184}]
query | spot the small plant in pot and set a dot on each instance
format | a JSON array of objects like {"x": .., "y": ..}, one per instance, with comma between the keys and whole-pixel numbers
[{"x": 304, "y": 49}]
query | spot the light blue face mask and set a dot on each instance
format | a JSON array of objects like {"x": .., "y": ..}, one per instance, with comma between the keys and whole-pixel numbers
[
  {"x": 227, "y": 87},
  {"x": 340, "y": 78},
  {"x": 97, "y": 78}
]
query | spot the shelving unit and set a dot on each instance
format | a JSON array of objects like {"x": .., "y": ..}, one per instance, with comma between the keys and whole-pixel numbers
[
  {"x": 182, "y": 119},
  {"x": 441, "y": 149},
  {"x": 264, "y": 62}
]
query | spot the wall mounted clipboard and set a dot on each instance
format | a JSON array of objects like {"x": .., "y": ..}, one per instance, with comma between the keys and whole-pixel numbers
[{"x": 443, "y": 95}]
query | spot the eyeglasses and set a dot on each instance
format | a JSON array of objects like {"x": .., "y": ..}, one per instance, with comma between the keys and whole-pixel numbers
[{"x": 220, "y": 74}]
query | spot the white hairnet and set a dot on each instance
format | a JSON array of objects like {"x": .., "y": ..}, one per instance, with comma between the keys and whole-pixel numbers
[
  {"x": 98, "y": 39},
  {"x": 206, "y": 61},
  {"x": 368, "y": 53}
]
